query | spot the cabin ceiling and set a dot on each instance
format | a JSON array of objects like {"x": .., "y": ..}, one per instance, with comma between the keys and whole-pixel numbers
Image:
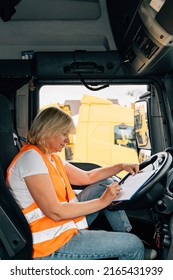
[
  {"x": 57, "y": 25},
  {"x": 89, "y": 25}
]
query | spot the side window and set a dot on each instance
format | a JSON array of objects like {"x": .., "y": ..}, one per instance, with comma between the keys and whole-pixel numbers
[{"x": 104, "y": 121}]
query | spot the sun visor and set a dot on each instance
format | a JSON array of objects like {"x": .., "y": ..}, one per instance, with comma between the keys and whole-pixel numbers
[{"x": 72, "y": 64}]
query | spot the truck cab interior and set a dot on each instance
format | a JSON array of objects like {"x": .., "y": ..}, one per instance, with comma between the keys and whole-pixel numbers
[{"x": 96, "y": 44}]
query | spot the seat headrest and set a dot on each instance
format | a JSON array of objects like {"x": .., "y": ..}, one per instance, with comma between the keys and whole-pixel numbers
[
  {"x": 8, "y": 148},
  {"x": 5, "y": 115}
]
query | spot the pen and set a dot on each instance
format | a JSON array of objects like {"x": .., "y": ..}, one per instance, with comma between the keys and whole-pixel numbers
[{"x": 104, "y": 185}]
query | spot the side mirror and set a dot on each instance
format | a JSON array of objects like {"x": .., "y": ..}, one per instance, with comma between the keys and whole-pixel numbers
[{"x": 141, "y": 130}]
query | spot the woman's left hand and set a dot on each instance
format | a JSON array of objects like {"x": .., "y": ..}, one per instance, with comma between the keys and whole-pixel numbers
[{"x": 131, "y": 168}]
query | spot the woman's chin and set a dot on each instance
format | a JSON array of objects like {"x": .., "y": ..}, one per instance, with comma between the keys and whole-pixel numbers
[{"x": 59, "y": 150}]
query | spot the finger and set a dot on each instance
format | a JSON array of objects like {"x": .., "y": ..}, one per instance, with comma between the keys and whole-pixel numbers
[
  {"x": 117, "y": 189},
  {"x": 115, "y": 186},
  {"x": 134, "y": 169}
]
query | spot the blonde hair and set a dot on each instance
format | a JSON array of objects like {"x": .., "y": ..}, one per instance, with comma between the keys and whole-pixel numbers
[{"x": 49, "y": 122}]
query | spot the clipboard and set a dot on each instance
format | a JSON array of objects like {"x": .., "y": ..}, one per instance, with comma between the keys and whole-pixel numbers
[{"x": 130, "y": 185}]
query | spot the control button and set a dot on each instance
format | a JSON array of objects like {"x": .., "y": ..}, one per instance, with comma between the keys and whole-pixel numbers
[{"x": 161, "y": 206}]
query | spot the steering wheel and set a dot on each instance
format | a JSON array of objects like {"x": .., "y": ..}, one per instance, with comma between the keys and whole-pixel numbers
[{"x": 152, "y": 190}]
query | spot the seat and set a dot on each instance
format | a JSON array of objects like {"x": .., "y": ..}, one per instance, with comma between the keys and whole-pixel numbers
[
  {"x": 15, "y": 234},
  {"x": 8, "y": 143}
]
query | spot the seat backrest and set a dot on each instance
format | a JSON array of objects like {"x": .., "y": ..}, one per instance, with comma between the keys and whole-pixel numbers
[
  {"x": 8, "y": 146},
  {"x": 15, "y": 234}
]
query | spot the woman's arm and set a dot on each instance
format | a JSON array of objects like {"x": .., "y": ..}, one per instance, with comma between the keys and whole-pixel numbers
[
  {"x": 43, "y": 193},
  {"x": 80, "y": 177}
]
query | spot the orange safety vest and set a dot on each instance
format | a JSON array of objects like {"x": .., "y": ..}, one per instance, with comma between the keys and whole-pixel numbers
[{"x": 49, "y": 235}]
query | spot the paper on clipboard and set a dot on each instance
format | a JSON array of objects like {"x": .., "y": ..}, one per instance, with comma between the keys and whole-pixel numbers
[{"x": 132, "y": 184}]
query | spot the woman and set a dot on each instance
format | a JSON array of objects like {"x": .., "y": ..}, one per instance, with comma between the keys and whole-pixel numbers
[{"x": 41, "y": 182}]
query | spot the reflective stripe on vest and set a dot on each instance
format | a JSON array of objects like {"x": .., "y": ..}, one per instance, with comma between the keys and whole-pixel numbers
[
  {"x": 36, "y": 214},
  {"x": 52, "y": 232},
  {"x": 49, "y": 235}
]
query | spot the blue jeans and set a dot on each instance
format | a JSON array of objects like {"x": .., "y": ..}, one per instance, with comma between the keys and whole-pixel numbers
[
  {"x": 100, "y": 244},
  {"x": 117, "y": 219}
]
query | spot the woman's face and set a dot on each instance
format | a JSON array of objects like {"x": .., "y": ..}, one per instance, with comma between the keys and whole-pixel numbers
[{"x": 58, "y": 142}]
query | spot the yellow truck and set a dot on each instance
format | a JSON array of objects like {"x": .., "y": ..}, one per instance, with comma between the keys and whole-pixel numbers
[{"x": 105, "y": 133}]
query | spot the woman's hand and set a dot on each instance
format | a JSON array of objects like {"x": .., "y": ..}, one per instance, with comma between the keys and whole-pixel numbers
[
  {"x": 131, "y": 168},
  {"x": 111, "y": 192}
]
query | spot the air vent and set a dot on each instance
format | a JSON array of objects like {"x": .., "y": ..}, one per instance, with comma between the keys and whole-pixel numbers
[
  {"x": 144, "y": 44},
  {"x": 149, "y": 49}
]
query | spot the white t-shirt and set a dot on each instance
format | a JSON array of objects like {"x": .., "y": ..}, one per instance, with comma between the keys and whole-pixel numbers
[{"x": 29, "y": 163}]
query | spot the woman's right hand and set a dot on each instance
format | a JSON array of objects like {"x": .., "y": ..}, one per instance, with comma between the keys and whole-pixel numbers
[{"x": 111, "y": 192}]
